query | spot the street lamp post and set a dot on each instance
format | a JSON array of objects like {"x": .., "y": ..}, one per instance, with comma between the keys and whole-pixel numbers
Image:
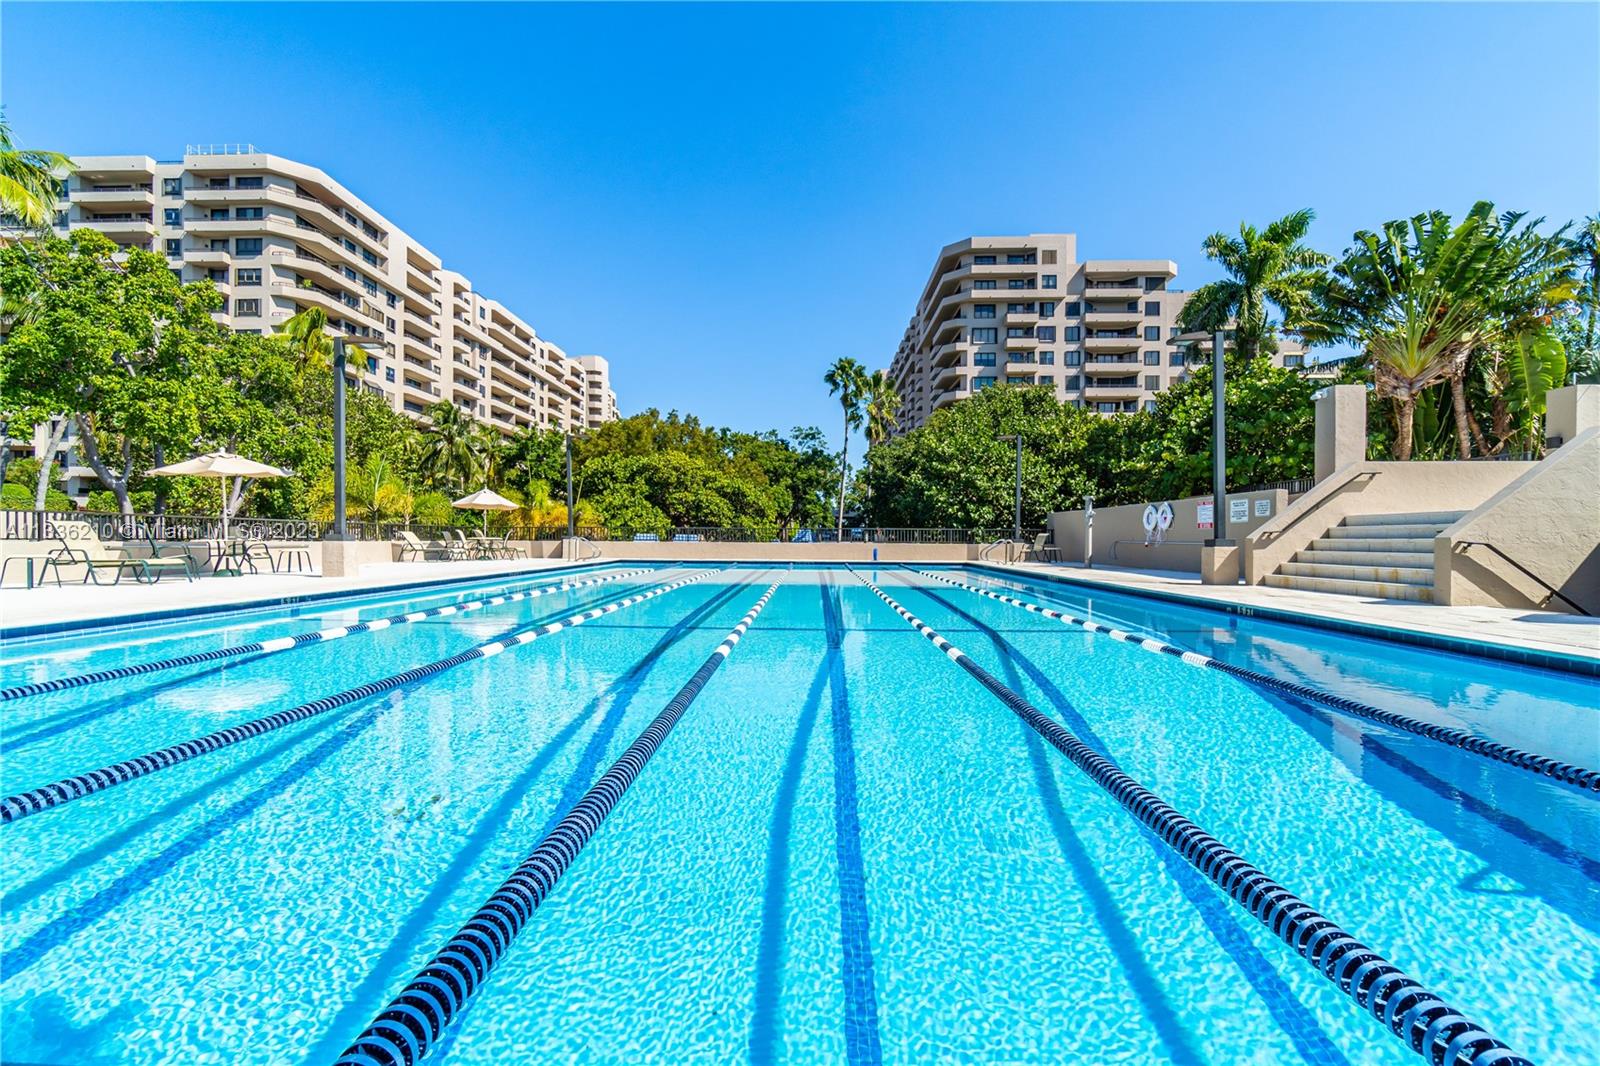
[
  {"x": 1016, "y": 519},
  {"x": 1219, "y": 431},
  {"x": 339, "y": 528},
  {"x": 571, "y": 529}
]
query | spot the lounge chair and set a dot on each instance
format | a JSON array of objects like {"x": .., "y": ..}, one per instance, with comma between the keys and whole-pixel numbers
[
  {"x": 411, "y": 547},
  {"x": 82, "y": 546},
  {"x": 462, "y": 548},
  {"x": 1043, "y": 552}
]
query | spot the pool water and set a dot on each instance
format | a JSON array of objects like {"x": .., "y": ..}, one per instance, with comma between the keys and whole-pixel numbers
[{"x": 848, "y": 850}]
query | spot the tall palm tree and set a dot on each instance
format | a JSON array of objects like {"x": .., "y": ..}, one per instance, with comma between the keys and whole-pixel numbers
[
  {"x": 307, "y": 334},
  {"x": 847, "y": 379},
  {"x": 1587, "y": 248},
  {"x": 30, "y": 181},
  {"x": 1266, "y": 269},
  {"x": 881, "y": 403},
  {"x": 450, "y": 456}
]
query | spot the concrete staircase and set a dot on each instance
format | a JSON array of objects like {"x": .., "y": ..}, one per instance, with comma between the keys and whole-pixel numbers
[{"x": 1384, "y": 556}]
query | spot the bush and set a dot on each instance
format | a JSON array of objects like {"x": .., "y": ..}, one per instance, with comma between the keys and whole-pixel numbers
[
  {"x": 23, "y": 471},
  {"x": 14, "y": 497}
]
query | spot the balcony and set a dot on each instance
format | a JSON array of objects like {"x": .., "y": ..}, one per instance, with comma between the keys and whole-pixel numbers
[
  {"x": 1021, "y": 318},
  {"x": 1107, "y": 317},
  {"x": 1112, "y": 389},
  {"x": 124, "y": 197},
  {"x": 1097, "y": 291},
  {"x": 951, "y": 376},
  {"x": 1021, "y": 342},
  {"x": 1112, "y": 341},
  {"x": 946, "y": 354},
  {"x": 1111, "y": 364},
  {"x": 206, "y": 256}
]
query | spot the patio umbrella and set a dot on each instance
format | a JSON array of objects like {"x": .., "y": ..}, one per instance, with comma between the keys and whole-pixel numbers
[
  {"x": 222, "y": 465},
  {"x": 485, "y": 501}
]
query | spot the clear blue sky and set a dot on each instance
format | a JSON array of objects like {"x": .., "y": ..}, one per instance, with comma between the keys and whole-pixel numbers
[{"x": 722, "y": 199}]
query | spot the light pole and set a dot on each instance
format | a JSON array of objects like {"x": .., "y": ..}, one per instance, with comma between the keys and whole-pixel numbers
[
  {"x": 570, "y": 527},
  {"x": 339, "y": 529},
  {"x": 1016, "y": 520},
  {"x": 1219, "y": 432}
]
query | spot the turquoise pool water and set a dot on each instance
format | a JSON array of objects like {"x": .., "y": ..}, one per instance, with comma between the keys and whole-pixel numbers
[{"x": 848, "y": 851}]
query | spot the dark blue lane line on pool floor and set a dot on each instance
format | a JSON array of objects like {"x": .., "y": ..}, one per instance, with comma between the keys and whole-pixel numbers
[
  {"x": 765, "y": 1017},
  {"x": 862, "y": 1043},
  {"x": 1292, "y": 1015},
  {"x": 358, "y": 1006},
  {"x": 85, "y": 914}
]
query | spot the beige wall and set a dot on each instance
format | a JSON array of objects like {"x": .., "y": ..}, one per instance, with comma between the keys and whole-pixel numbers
[
  {"x": 797, "y": 553},
  {"x": 1119, "y": 534},
  {"x": 1372, "y": 488},
  {"x": 1548, "y": 520}
]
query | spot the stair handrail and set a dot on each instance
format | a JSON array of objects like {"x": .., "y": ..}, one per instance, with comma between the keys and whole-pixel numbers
[
  {"x": 1462, "y": 545},
  {"x": 1271, "y": 534}
]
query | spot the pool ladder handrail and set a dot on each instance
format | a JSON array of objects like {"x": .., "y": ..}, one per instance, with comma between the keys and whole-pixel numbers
[
  {"x": 988, "y": 549},
  {"x": 593, "y": 547}
]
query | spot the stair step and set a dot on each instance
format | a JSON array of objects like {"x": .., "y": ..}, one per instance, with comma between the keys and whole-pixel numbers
[
  {"x": 1385, "y": 531},
  {"x": 1423, "y": 560},
  {"x": 1381, "y": 590},
  {"x": 1401, "y": 575},
  {"x": 1382, "y": 544},
  {"x": 1418, "y": 518}
]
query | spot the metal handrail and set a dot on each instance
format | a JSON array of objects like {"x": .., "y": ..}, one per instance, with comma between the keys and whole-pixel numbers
[
  {"x": 985, "y": 552},
  {"x": 593, "y": 547},
  {"x": 1462, "y": 545},
  {"x": 1270, "y": 534}
]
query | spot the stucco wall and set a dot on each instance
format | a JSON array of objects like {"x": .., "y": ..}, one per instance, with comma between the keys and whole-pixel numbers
[
  {"x": 1548, "y": 520},
  {"x": 1119, "y": 534},
  {"x": 1372, "y": 488}
]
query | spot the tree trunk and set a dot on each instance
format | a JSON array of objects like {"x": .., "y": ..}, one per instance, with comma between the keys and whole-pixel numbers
[
  {"x": 5, "y": 450},
  {"x": 1465, "y": 428},
  {"x": 844, "y": 467},
  {"x": 163, "y": 485},
  {"x": 91, "y": 454},
  {"x": 41, "y": 487},
  {"x": 1404, "y": 415}
]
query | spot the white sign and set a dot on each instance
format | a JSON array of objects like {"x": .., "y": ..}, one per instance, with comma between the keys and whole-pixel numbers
[
  {"x": 1238, "y": 510},
  {"x": 1204, "y": 514},
  {"x": 1263, "y": 508}
]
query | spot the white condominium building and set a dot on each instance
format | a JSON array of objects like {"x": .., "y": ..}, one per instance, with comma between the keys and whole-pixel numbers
[
  {"x": 1026, "y": 311},
  {"x": 277, "y": 237}
]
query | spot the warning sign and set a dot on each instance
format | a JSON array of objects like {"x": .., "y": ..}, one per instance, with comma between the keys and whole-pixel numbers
[{"x": 1205, "y": 514}]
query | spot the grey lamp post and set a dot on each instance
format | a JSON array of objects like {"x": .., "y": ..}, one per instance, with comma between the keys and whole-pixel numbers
[
  {"x": 1219, "y": 433},
  {"x": 1016, "y": 521},
  {"x": 571, "y": 529},
  {"x": 339, "y": 529}
]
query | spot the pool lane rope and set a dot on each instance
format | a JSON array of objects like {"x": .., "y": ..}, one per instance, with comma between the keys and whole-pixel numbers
[
  {"x": 408, "y": 1028},
  {"x": 46, "y": 797},
  {"x": 321, "y": 636},
  {"x": 1567, "y": 773},
  {"x": 1423, "y": 1021}
]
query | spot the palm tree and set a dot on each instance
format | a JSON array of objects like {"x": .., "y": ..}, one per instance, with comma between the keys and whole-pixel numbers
[
  {"x": 847, "y": 379},
  {"x": 450, "y": 448},
  {"x": 1586, "y": 246},
  {"x": 881, "y": 402},
  {"x": 30, "y": 181},
  {"x": 1408, "y": 297},
  {"x": 307, "y": 334},
  {"x": 1265, "y": 267}
]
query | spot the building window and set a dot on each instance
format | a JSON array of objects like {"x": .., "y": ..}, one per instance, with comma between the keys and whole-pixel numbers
[
  {"x": 1019, "y": 331},
  {"x": 1293, "y": 361},
  {"x": 174, "y": 246},
  {"x": 247, "y": 183},
  {"x": 171, "y": 186},
  {"x": 1176, "y": 359},
  {"x": 247, "y": 307},
  {"x": 1019, "y": 309},
  {"x": 1107, "y": 408},
  {"x": 985, "y": 336},
  {"x": 247, "y": 212},
  {"x": 1149, "y": 405},
  {"x": 983, "y": 359},
  {"x": 1046, "y": 333},
  {"x": 219, "y": 214},
  {"x": 1023, "y": 258},
  {"x": 1016, "y": 379},
  {"x": 1019, "y": 283},
  {"x": 1073, "y": 358},
  {"x": 251, "y": 276},
  {"x": 983, "y": 260},
  {"x": 1074, "y": 333},
  {"x": 1073, "y": 309},
  {"x": 1152, "y": 333},
  {"x": 1049, "y": 255},
  {"x": 1152, "y": 358},
  {"x": 1047, "y": 379},
  {"x": 388, "y": 373},
  {"x": 1152, "y": 383},
  {"x": 217, "y": 274},
  {"x": 1152, "y": 307},
  {"x": 983, "y": 310},
  {"x": 1048, "y": 281},
  {"x": 1074, "y": 383},
  {"x": 1020, "y": 357},
  {"x": 1047, "y": 358},
  {"x": 1154, "y": 284},
  {"x": 984, "y": 284},
  {"x": 983, "y": 382},
  {"x": 1173, "y": 332},
  {"x": 173, "y": 216},
  {"x": 1047, "y": 309},
  {"x": 247, "y": 246}
]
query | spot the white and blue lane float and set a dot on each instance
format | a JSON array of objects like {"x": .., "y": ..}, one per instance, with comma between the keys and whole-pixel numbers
[
  {"x": 56, "y": 794},
  {"x": 301, "y": 640},
  {"x": 1543, "y": 765},
  {"x": 411, "y": 1025},
  {"x": 1424, "y": 1022}
]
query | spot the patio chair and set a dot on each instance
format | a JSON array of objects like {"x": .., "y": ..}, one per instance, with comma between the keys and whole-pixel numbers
[
  {"x": 487, "y": 547},
  {"x": 463, "y": 548},
  {"x": 512, "y": 551},
  {"x": 411, "y": 547},
  {"x": 82, "y": 546},
  {"x": 1043, "y": 552}
]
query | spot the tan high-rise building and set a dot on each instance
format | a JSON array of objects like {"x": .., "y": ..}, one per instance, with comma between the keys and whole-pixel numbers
[
  {"x": 1026, "y": 311},
  {"x": 276, "y": 237}
]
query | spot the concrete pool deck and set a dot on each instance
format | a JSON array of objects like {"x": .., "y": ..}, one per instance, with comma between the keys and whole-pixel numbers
[{"x": 1539, "y": 631}]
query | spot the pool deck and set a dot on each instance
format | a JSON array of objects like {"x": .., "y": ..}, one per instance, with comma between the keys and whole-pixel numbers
[
  {"x": 1545, "y": 631},
  {"x": 1540, "y": 631}
]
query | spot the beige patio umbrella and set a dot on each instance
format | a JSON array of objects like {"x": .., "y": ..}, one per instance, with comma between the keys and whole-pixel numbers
[
  {"x": 222, "y": 465},
  {"x": 485, "y": 501}
]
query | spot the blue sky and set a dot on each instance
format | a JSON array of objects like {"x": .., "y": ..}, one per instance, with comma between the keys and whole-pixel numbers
[{"x": 722, "y": 199}]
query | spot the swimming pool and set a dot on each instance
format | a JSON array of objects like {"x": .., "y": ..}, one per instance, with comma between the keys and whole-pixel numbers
[{"x": 848, "y": 848}]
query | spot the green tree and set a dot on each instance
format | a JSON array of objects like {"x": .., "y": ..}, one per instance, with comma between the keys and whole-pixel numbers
[
  {"x": 450, "y": 458},
  {"x": 881, "y": 406},
  {"x": 1270, "y": 268},
  {"x": 846, "y": 379},
  {"x": 30, "y": 181}
]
